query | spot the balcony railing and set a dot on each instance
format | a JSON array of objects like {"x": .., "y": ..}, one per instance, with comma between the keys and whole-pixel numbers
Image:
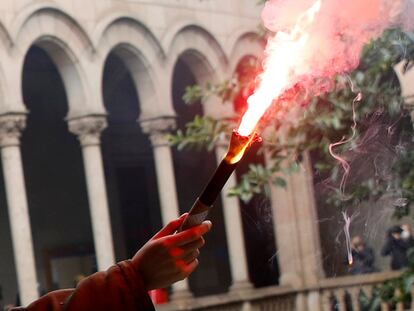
[
  {"x": 343, "y": 293},
  {"x": 340, "y": 293}
]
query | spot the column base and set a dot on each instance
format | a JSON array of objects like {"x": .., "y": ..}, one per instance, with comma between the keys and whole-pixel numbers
[
  {"x": 181, "y": 294},
  {"x": 240, "y": 286}
]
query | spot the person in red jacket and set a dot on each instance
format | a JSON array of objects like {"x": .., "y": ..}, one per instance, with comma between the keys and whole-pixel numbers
[{"x": 162, "y": 261}]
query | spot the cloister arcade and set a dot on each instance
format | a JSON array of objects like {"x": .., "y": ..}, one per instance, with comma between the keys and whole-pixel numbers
[{"x": 88, "y": 92}]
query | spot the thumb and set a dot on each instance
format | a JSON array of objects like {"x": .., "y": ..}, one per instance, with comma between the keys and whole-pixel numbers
[{"x": 171, "y": 227}]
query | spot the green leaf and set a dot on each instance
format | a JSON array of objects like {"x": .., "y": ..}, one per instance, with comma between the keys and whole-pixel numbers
[
  {"x": 280, "y": 182},
  {"x": 193, "y": 94}
]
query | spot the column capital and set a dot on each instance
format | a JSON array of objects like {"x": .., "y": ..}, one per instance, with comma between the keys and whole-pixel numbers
[
  {"x": 158, "y": 128},
  {"x": 88, "y": 128},
  {"x": 11, "y": 127}
]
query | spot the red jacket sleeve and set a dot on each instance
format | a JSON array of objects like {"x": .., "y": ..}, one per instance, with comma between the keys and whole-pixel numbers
[{"x": 118, "y": 288}]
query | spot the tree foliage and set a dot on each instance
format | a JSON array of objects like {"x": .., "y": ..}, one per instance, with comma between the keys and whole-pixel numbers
[{"x": 322, "y": 121}]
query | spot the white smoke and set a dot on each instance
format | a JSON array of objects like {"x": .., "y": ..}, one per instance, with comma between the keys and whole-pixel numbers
[
  {"x": 339, "y": 31},
  {"x": 406, "y": 19}
]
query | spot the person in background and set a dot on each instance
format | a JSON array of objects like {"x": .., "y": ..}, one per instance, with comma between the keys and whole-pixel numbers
[
  {"x": 396, "y": 246},
  {"x": 165, "y": 259},
  {"x": 363, "y": 256},
  {"x": 407, "y": 235}
]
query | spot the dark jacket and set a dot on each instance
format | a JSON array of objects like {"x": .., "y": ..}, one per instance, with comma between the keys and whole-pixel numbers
[
  {"x": 363, "y": 261},
  {"x": 118, "y": 288},
  {"x": 397, "y": 249}
]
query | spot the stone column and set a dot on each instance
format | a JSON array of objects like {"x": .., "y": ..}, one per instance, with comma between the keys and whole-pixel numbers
[
  {"x": 157, "y": 130},
  {"x": 234, "y": 230},
  {"x": 302, "y": 192},
  {"x": 296, "y": 228},
  {"x": 88, "y": 129},
  {"x": 11, "y": 126},
  {"x": 286, "y": 233}
]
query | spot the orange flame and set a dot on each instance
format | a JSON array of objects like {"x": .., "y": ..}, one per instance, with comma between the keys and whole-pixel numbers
[{"x": 284, "y": 53}]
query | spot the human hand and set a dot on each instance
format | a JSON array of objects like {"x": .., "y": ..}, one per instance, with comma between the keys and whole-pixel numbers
[{"x": 168, "y": 257}]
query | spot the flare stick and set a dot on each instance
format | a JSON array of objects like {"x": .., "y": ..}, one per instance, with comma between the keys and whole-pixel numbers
[{"x": 238, "y": 146}]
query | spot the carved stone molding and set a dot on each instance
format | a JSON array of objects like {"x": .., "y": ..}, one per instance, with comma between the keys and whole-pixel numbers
[
  {"x": 11, "y": 128},
  {"x": 88, "y": 128},
  {"x": 157, "y": 129}
]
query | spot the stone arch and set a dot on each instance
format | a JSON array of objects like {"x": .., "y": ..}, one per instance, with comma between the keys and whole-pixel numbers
[
  {"x": 47, "y": 146},
  {"x": 127, "y": 154},
  {"x": 195, "y": 57},
  {"x": 55, "y": 14},
  {"x": 65, "y": 42},
  {"x": 142, "y": 54},
  {"x": 245, "y": 44},
  {"x": 5, "y": 37},
  {"x": 180, "y": 26},
  {"x": 202, "y": 53},
  {"x": 118, "y": 22}
]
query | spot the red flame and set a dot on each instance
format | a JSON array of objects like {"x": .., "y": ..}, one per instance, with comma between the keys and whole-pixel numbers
[{"x": 284, "y": 52}]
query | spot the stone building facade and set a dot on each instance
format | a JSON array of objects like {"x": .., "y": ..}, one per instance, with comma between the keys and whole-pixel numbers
[
  {"x": 148, "y": 37},
  {"x": 84, "y": 42}
]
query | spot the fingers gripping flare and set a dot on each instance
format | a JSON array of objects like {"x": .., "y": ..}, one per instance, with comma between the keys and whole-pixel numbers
[
  {"x": 171, "y": 227},
  {"x": 191, "y": 256},
  {"x": 197, "y": 215},
  {"x": 168, "y": 257}
]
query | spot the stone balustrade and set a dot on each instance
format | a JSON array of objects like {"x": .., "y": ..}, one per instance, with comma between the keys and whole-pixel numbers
[
  {"x": 263, "y": 299},
  {"x": 343, "y": 293},
  {"x": 340, "y": 293}
]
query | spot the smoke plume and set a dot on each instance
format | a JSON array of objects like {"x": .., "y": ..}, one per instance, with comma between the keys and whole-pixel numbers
[{"x": 337, "y": 33}]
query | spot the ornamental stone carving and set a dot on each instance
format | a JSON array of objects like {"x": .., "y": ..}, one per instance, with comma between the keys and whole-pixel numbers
[
  {"x": 11, "y": 128},
  {"x": 158, "y": 129},
  {"x": 88, "y": 129}
]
